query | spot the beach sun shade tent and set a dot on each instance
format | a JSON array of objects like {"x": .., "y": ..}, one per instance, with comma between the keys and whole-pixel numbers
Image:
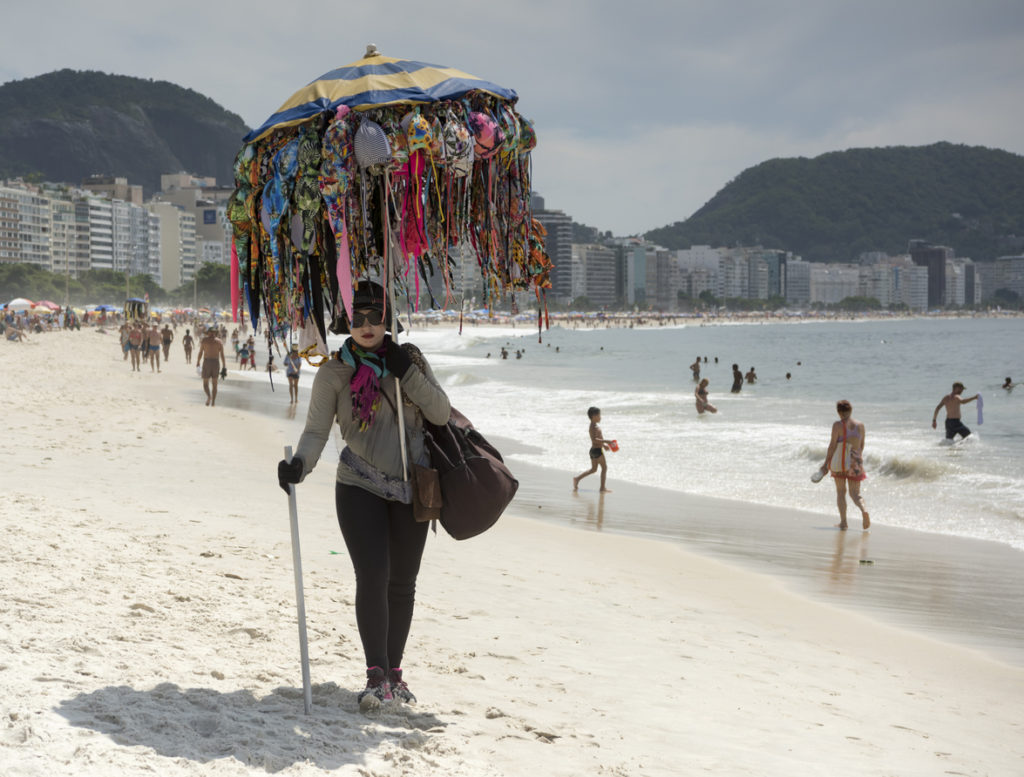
[
  {"x": 136, "y": 309},
  {"x": 388, "y": 169}
]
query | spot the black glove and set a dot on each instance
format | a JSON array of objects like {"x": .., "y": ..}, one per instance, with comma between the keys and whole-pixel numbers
[
  {"x": 223, "y": 372},
  {"x": 289, "y": 472},
  {"x": 397, "y": 360}
]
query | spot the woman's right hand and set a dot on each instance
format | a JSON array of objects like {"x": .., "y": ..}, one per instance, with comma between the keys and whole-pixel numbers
[{"x": 289, "y": 472}]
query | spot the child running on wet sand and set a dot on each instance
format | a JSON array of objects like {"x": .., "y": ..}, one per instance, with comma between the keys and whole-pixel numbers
[{"x": 597, "y": 446}]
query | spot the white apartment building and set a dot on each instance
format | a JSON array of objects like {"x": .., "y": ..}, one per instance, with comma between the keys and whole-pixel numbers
[
  {"x": 101, "y": 232},
  {"x": 733, "y": 276},
  {"x": 832, "y": 283},
  {"x": 121, "y": 220},
  {"x": 963, "y": 285},
  {"x": 894, "y": 281},
  {"x": 9, "y": 243},
  {"x": 25, "y": 225},
  {"x": 798, "y": 283},
  {"x": 637, "y": 254},
  {"x": 177, "y": 244},
  {"x": 207, "y": 203},
  {"x": 698, "y": 269},
  {"x": 912, "y": 285},
  {"x": 757, "y": 278},
  {"x": 593, "y": 273}
]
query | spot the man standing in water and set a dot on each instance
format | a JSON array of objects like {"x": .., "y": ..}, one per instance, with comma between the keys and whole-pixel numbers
[
  {"x": 952, "y": 402},
  {"x": 211, "y": 354},
  {"x": 737, "y": 379}
]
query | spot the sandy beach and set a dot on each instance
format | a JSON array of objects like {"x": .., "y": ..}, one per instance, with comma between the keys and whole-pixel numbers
[{"x": 149, "y": 625}]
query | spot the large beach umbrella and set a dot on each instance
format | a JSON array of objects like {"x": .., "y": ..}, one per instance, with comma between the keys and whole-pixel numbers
[
  {"x": 20, "y": 304},
  {"x": 390, "y": 169},
  {"x": 376, "y": 81}
]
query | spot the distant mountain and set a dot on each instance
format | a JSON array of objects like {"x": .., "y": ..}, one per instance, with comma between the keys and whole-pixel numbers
[
  {"x": 838, "y": 205},
  {"x": 67, "y": 125}
]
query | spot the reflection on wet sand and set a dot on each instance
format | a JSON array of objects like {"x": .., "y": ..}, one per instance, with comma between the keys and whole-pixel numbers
[
  {"x": 850, "y": 556},
  {"x": 967, "y": 591}
]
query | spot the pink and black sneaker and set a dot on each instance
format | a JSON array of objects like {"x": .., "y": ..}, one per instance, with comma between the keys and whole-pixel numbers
[
  {"x": 377, "y": 691},
  {"x": 399, "y": 689}
]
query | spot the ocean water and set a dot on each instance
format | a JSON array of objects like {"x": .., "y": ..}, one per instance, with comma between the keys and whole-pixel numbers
[{"x": 764, "y": 443}]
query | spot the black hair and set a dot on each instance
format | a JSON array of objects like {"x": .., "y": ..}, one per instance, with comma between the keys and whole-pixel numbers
[{"x": 593, "y": 411}]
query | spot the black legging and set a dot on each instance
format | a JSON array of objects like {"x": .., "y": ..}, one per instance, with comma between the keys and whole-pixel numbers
[{"x": 385, "y": 544}]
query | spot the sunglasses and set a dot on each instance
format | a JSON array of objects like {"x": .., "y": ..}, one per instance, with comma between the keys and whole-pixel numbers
[{"x": 371, "y": 317}]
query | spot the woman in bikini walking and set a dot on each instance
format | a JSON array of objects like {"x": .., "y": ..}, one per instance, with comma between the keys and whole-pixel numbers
[{"x": 845, "y": 460}]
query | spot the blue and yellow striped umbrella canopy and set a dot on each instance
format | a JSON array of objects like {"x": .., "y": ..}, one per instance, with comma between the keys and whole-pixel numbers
[{"x": 373, "y": 82}]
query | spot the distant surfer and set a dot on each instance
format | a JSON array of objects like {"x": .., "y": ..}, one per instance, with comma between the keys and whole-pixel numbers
[{"x": 952, "y": 402}]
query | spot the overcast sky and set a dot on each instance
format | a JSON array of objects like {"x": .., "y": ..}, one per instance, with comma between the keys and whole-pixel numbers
[{"x": 644, "y": 110}]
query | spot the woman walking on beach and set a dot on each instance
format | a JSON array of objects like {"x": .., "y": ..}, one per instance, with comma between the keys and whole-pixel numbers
[
  {"x": 845, "y": 460},
  {"x": 357, "y": 390}
]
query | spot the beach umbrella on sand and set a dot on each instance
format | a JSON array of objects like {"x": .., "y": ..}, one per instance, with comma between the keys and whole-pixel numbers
[
  {"x": 20, "y": 304},
  {"x": 387, "y": 169}
]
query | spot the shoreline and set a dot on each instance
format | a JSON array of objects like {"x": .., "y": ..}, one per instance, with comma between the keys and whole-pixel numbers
[
  {"x": 948, "y": 587},
  {"x": 152, "y": 624},
  {"x": 593, "y": 320}
]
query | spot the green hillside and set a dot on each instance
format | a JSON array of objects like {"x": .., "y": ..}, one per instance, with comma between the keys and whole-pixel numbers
[
  {"x": 67, "y": 125},
  {"x": 840, "y": 204}
]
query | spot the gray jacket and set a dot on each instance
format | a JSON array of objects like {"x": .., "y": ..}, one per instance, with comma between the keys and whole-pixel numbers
[{"x": 377, "y": 446}]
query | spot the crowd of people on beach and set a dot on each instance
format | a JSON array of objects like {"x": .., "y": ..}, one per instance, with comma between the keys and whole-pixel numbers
[{"x": 17, "y": 325}]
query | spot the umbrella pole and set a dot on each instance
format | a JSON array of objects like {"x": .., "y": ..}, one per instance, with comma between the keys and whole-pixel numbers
[
  {"x": 390, "y": 279},
  {"x": 307, "y": 688}
]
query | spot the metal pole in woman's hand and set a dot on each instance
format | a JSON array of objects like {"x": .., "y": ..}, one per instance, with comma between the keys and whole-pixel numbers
[
  {"x": 307, "y": 688},
  {"x": 393, "y": 312}
]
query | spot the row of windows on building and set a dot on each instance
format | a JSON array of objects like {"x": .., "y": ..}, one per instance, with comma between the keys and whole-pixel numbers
[
  {"x": 103, "y": 224},
  {"x": 631, "y": 272}
]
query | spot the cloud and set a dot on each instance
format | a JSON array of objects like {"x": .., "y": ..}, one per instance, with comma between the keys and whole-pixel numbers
[{"x": 644, "y": 109}]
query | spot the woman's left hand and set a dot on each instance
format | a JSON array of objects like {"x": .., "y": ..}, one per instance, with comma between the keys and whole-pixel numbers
[{"x": 397, "y": 360}]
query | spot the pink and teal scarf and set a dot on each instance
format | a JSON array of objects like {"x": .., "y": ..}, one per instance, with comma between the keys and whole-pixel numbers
[{"x": 365, "y": 383}]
